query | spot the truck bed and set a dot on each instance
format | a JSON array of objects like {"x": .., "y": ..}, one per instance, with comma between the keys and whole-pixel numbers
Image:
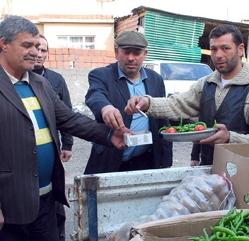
[{"x": 103, "y": 202}]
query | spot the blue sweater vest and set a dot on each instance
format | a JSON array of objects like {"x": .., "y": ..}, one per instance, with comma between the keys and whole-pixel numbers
[{"x": 44, "y": 143}]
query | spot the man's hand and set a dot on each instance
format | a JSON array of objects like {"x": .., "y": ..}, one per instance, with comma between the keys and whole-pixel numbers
[
  {"x": 117, "y": 138},
  {"x": 194, "y": 163},
  {"x": 221, "y": 136},
  {"x": 65, "y": 155},
  {"x": 136, "y": 103},
  {"x": 1, "y": 219},
  {"x": 112, "y": 117}
]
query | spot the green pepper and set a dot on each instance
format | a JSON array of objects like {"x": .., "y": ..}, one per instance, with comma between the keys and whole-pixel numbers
[
  {"x": 229, "y": 216},
  {"x": 239, "y": 221},
  {"x": 238, "y": 238},
  {"x": 246, "y": 215},
  {"x": 223, "y": 230},
  {"x": 215, "y": 124}
]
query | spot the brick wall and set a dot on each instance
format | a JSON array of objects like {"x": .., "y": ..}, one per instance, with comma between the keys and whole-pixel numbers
[
  {"x": 128, "y": 24},
  {"x": 67, "y": 58}
]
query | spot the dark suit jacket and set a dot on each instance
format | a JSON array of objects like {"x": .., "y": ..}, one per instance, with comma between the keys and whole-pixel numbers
[
  {"x": 106, "y": 89},
  {"x": 19, "y": 187},
  {"x": 60, "y": 87}
]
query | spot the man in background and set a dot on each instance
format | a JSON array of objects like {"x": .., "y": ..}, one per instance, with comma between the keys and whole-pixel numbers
[
  {"x": 110, "y": 88},
  {"x": 59, "y": 86}
]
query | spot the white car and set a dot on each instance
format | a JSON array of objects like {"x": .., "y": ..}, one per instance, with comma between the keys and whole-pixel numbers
[{"x": 178, "y": 76}]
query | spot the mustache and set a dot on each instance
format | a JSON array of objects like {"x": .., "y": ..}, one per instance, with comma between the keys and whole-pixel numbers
[{"x": 29, "y": 57}]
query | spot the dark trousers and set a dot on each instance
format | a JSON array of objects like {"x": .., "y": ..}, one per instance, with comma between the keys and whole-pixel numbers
[
  {"x": 61, "y": 220},
  {"x": 142, "y": 162},
  {"x": 43, "y": 228}
]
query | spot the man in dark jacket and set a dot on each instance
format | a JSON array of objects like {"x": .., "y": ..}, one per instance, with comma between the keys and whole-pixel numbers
[
  {"x": 60, "y": 87},
  {"x": 109, "y": 90}
]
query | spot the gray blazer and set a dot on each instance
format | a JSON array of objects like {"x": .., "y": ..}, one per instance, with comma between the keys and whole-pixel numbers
[{"x": 19, "y": 187}]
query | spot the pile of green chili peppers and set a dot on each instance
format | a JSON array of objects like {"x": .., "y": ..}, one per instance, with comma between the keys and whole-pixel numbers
[{"x": 234, "y": 226}]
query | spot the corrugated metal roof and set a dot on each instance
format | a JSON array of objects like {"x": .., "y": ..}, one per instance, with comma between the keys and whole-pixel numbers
[
  {"x": 143, "y": 9},
  {"x": 172, "y": 37}
]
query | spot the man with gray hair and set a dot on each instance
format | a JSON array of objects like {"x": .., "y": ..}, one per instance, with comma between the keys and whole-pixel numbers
[{"x": 31, "y": 173}]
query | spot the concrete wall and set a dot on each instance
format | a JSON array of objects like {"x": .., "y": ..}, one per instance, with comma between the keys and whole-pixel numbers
[{"x": 77, "y": 83}]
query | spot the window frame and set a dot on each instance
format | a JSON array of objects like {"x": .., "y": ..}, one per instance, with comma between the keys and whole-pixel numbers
[{"x": 83, "y": 44}]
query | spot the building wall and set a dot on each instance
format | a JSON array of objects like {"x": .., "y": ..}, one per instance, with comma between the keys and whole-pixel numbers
[
  {"x": 60, "y": 17},
  {"x": 68, "y": 58},
  {"x": 103, "y": 33},
  {"x": 127, "y": 24},
  {"x": 72, "y": 58}
]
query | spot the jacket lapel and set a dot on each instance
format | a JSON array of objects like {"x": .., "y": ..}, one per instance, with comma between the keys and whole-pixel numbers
[
  {"x": 120, "y": 85},
  {"x": 8, "y": 90},
  {"x": 45, "y": 104},
  {"x": 123, "y": 89},
  {"x": 40, "y": 94},
  {"x": 149, "y": 87}
]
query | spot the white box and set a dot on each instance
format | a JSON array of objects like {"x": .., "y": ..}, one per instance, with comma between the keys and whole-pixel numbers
[{"x": 139, "y": 138}]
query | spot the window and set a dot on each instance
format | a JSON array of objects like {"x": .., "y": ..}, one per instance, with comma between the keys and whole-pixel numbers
[
  {"x": 79, "y": 42},
  {"x": 183, "y": 71}
]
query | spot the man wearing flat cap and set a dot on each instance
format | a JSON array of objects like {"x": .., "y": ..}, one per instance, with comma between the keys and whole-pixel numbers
[{"x": 110, "y": 88}]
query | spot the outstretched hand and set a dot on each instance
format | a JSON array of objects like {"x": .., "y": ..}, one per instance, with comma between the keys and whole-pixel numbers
[
  {"x": 136, "y": 103},
  {"x": 117, "y": 138},
  {"x": 221, "y": 136},
  {"x": 112, "y": 117}
]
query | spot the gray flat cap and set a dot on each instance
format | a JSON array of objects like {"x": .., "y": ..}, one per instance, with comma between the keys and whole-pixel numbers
[{"x": 131, "y": 39}]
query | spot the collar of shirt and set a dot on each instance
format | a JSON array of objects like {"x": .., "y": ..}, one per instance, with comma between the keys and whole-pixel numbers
[
  {"x": 14, "y": 80},
  {"x": 121, "y": 74},
  {"x": 40, "y": 71},
  {"x": 240, "y": 79}
]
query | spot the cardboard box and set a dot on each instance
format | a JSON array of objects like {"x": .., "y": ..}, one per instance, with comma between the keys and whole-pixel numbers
[
  {"x": 177, "y": 228},
  {"x": 233, "y": 160},
  {"x": 139, "y": 138}
]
